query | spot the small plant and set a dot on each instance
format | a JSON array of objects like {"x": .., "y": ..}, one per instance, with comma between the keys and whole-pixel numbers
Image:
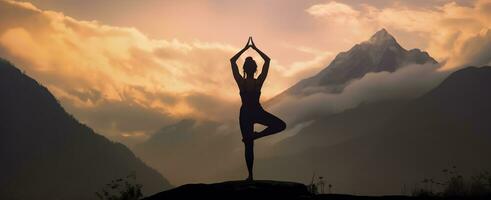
[
  {"x": 320, "y": 184},
  {"x": 454, "y": 186},
  {"x": 421, "y": 192},
  {"x": 312, "y": 186},
  {"x": 121, "y": 189},
  {"x": 480, "y": 184},
  {"x": 317, "y": 186},
  {"x": 426, "y": 190}
]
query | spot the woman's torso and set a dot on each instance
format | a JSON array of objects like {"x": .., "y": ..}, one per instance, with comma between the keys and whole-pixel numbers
[{"x": 250, "y": 92}]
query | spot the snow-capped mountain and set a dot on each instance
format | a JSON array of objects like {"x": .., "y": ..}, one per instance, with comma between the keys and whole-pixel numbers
[{"x": 380, "y": 53}]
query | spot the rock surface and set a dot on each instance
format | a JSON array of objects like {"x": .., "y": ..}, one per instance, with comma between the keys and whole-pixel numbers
[{"x": 263, "y": 189}]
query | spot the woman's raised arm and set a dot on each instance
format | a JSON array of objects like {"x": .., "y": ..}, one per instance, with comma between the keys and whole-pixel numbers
[
  {"x": 233, "y": 62},
  {"x": 264, "y": 71}
]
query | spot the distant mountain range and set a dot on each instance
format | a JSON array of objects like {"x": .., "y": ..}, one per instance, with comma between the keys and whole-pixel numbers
[
  {"x": 377, "y": 148},
  {"x": 380, "y": 53},
  {"x": 191, "y": 150},
  {"x": 45, "y": 153}
]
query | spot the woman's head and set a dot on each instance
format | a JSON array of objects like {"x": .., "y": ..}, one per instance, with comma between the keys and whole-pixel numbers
[{"x": 250, "y": 67}]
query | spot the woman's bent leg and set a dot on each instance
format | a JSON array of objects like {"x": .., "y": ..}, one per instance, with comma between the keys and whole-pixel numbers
[{"x": 273, "y": 124}]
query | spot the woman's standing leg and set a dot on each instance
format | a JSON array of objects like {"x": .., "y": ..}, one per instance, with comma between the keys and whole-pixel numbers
[
  {"x": 273, "y": 124},
  {"x": 249, "y": 157},
  {"x": 247, "y": 129}
]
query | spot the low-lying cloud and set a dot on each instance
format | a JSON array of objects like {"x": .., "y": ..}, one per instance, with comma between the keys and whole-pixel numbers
[{"x": 406, "y": 83}]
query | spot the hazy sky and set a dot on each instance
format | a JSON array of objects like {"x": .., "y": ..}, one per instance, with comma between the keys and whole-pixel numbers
[{"x": 126, "y": 68}]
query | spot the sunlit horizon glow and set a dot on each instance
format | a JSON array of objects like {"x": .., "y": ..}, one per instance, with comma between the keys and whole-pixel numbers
[{"x": 126, "y": 77}]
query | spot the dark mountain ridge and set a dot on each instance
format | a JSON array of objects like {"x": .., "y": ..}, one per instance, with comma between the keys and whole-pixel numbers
[{"x": 47, "y": 154}]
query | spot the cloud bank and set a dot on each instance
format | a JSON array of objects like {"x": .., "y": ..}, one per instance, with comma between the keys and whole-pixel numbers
[
  {"x": 406, "y": 83},
  {"x": 114, "y": 77},
  {"x": 103, "y": 73}
]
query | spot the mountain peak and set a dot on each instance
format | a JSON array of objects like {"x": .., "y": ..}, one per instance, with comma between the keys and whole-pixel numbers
[
  {"x": 381, "y": 37},
  {"x": 382, "y": 31},
  {"x": 381, "y": 53}
]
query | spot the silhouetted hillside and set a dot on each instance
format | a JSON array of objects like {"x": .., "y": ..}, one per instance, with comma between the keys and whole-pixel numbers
[
  {"x": 45, "y": 153},
  {"x": 380, "y": 53},
  {"x": 447, "y": 126}
]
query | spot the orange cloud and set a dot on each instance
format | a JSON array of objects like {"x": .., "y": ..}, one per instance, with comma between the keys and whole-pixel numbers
[
  {"x": 87, "y": 64},
  {"x": 332, "y": 9}
]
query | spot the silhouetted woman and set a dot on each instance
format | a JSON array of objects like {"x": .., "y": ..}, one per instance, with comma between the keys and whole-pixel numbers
[{"x": 251, "y": 111}]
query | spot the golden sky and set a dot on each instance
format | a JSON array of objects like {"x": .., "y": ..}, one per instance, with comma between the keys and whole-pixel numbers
[{"x": 126, "y": 68}]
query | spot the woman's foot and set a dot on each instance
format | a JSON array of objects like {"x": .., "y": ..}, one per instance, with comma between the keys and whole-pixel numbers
[
  {"x": 249, "y": 178},
  {"x": 255, "y": 135}
]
